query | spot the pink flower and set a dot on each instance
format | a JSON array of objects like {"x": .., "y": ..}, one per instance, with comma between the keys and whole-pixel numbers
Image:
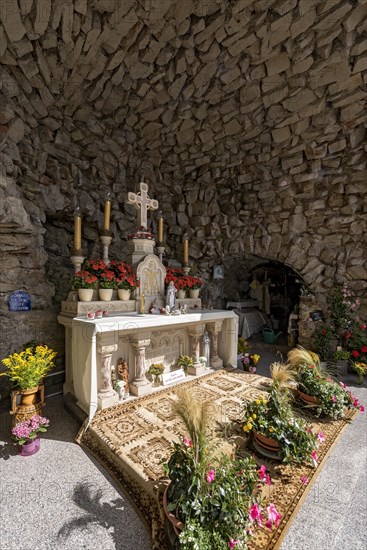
[
  {"x": 273, "y": 516},
  {"x": 262, "y": 472},
  {"x": 267, "y": 479},
  {"x": 210, "y": 476},
  {"x": 342, "y": 385},
  {"x": 355, "y": 402},
  {"x": 321, "y": 437},
  {"x": 361, "y": 408},
  {"x": 232, "y": 543},
  {"x": 187, "y": 442},
  {"x": 333, "y": 399},
  {"x": 315, "y": 458},
  {"x": 304, "y": 480},
  {"x": 255, "y": 514}
]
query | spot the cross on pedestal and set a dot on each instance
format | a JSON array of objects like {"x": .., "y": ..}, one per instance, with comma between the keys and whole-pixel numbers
[{"x": 142, "y": 203}]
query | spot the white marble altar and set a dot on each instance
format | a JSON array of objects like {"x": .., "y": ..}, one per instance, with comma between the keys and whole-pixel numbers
[{"x": 94, "y": 346}]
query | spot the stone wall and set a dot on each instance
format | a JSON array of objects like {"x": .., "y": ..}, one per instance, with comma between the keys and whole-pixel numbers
[{"x": 247, "y": 119}]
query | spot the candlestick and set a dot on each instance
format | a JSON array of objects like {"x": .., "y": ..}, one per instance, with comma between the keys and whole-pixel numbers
[
  {"x": 185, "y": 250},
  {"x": 160, "y": 227},
  {"x": 107, "y": 212},
  {"x": 77, "y": 229}
]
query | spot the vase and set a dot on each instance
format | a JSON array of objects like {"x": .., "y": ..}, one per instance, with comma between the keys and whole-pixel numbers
[
  {"x": 181, "y": 294},
  {"x": 124, "y": 294},
  {"x": 31, "y": 403},
  {"x": 105, "y": 294},
  {"x": 194, "y": 292},
  {"x": 31, "y": 448},
  {"x": 156, "y": 380},
  {"x": 266, "y": 442},
  {"x": 308, "y": 399},
  {"x": 85, "y": 294}
]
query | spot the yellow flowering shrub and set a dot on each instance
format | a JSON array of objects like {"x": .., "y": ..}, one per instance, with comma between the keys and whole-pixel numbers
[{"x": 29, "y": 367}]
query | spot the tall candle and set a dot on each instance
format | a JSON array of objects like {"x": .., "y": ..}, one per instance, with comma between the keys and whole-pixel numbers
[
  {"x": 160, "y": 229},
  {"x": 107, "y": 212},
  {"x": 77, "y": 229},
  {"x": 186, "y": 251}
]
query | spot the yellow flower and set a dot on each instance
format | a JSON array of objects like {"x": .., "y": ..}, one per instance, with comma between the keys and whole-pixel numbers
[
  {"x": 254, "y": 416},
  {"x": 256, "y": 358},
  {"x": 271, "y": 430},
  {"x": 257, "y": 401}
]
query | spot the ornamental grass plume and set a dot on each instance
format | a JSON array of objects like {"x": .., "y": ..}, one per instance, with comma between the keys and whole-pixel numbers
[
  {"x": 300, "y": 356},
  {"x": 282, "y": 373}
]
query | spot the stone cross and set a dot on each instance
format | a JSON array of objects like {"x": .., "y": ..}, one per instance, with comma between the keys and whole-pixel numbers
[{"x": 142, "y": 203}]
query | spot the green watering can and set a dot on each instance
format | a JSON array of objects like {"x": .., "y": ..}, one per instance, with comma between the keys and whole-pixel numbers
[{"x": 269, "y": 335}]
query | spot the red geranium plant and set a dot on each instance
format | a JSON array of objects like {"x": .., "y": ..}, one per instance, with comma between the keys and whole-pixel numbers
[
  {"x": 95, "y": 267},
  {"x": 107, "y": 279},
  {"x": 84, "y": 279}
]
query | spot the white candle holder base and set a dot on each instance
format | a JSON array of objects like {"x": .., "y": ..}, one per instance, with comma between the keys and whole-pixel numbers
[
  {"x": 160, "y": 251},
  {"x": 77, "y": 261},
  {"x": 186, "y": 269},
  {"x": 106, "y": 241}
]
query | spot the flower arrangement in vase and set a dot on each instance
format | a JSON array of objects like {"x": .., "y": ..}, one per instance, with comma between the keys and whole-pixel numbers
[
  {"x": 184, "y": 362},
  {"x": 211, "y": 498},
  {"x": 273, "y": 424},
  {"x": 155, "y": 370},
  {"x": 28, "y": 368},
  {"x": 125, "y": 279},
  {"x": 84, "y": 282},
  {"x": 330, "y": 397},
  {"x": 26, "y": 434},
  {"x": 107, "y": 283},
  {"x": 249, "y": 362}
]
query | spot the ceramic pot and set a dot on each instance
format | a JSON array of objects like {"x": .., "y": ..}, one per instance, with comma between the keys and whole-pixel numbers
[
  {"x": 177, "y": 525},
  {"x": 266, "y": 442},
  {"x": 31, "y": 403},
  {"x": 85, "y": 294},
  {"x": 31, "y": 448},
  {"x": 28, "y": 397},
  {"x": 181, "y": 294},
  {"x": 194, "y": 292},
  {"x": 105, "y": 294},
  {"x": 308, "y": 399},
  {"x": 124, "y": 294}
]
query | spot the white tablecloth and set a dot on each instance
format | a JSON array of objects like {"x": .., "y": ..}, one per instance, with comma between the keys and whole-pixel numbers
[{"x": 250, "y": 322}]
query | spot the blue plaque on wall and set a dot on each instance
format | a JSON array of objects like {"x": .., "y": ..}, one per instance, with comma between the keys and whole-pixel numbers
[{"x": 19, "y": 301}]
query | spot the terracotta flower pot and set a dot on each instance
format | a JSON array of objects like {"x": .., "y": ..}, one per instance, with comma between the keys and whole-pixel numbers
[
  {"x": 178, "y": 526},
  {"x": 266, "y": 442},
  {"x": 308, "y": 399}
]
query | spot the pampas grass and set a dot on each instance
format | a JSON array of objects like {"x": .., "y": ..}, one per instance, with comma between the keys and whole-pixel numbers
[
  {"x": 195, "y": 414},
  {"x": 282, "y": 373},
  {"x": 300, "y": 356}
]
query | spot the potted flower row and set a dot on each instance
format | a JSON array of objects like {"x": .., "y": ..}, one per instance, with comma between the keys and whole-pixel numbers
[
  {"x": 118, "y": 275},
  {"x": 213, "y": 500},
  {"x": 184, "y": 283}
]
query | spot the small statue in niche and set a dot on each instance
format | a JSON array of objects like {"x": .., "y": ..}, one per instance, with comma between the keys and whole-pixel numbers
[
  {"x": 123, "y": 373},
  {"x": 171, "y": 295}
]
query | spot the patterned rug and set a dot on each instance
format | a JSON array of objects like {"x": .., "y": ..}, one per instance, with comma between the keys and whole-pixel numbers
[{"x": 132, "y": 440}]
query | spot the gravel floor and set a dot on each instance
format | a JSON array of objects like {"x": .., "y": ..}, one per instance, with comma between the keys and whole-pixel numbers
[{"x": 61, "y": 498}]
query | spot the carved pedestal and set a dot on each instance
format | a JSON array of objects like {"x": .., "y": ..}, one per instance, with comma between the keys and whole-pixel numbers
[
  {"x": 214, "y": 329},
  {"x": 140, "y": 385},
  {"x": 106, "y": 394},
  {"x": 196, "y": 334}
]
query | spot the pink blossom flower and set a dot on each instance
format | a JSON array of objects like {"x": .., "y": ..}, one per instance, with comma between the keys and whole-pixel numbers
[
  {"x": 321, "y": 437},
  {"x": 187, "y": 442},
  {"x": 262, "y": 472},
  {"x": 232, "y": 543},
  {"x": 267, "y": 479},
  {"x": 342, "y": 385},
  {"x": 210, "y": 476},
  {"x": 304, "y": 480},
  {"x": 361, "y": 408},
  {"x": 255, "y": 514},
  {"x": 355, "y": 402},
  {"x": 315, "y": 458},
  {"x": 273, "y": 516},
  {"x": 333, "y": 399}
]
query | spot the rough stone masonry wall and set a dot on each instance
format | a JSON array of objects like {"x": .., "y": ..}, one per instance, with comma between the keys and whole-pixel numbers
[{"x": 247, "y": 119}]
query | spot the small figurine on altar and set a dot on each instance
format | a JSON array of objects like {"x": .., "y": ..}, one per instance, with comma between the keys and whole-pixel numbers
[
  {"x": 167, "y": 310},
  {"x": 171, "y": 295},
  {"x": 154, "y": 309},
  {"x": 123, "y": 373},
  {"x": 184, "y": 309}
]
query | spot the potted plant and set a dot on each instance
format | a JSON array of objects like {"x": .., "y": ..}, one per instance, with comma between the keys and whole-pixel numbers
[
  {"x": 321, "y": 338},
  {"x": 249, "y": 362},
  {"x": 84, "y": 282},
  {"x": 155, "y": 370},
  {"x": 126, "y": 280},
  {"x": 194, "y": 285},
  {"x": 361, "y": 369},
  {"x": 95, "y": 267},
  {"x": 184, "y": 362},
  {"x": 212, "y": 500},
  {"x": 27, "y": 370},
  {"x": 318, "y": 388},
  {"x": 341, "y": 357},
  {"x": 26, "y": 434},
  {"x": 274, "y": 426},
  {"x": 107, "y": 282}
]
